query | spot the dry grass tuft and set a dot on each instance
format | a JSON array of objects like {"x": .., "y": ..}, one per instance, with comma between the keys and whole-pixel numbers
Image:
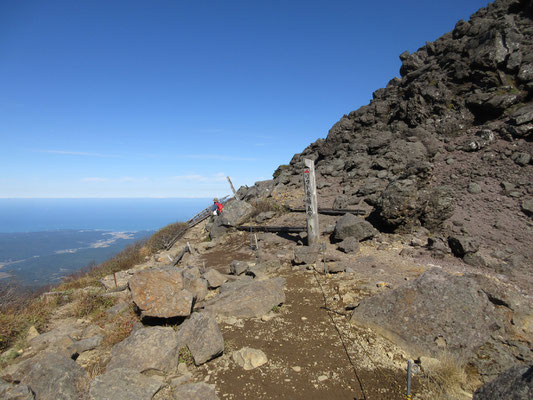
[
  {"x": 446, "y": 378},
  {"x": 264, "y": 205},
  {"x": 21, "y": 308},
  {"x": 89, "y": 304},
  {"x": 118, "y": 327}
]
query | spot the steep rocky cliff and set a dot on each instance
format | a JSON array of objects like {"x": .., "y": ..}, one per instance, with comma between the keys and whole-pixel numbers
[{"x": 447, "y": 147}]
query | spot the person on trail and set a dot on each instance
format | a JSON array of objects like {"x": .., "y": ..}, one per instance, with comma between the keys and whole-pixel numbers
[{"x": 217, "y": 207}]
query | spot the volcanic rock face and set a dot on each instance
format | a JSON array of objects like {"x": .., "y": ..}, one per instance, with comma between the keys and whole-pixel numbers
[{"x": 437, "y": 145}]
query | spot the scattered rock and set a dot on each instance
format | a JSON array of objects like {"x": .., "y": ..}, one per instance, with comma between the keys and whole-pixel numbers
[
  {"x": 201, "y": 334},
  {"x": 435, "y": 305},
  {"x": 195, "y": 391},
  {"x": 349, "y": 245},
  {"x": 350, "y": 225},
  {"x": 214, "y": 278},
  {"x": 123, "y": 384},
  {"x": 514, "y": 384},
  {"x": 474, "y": 188},
  {"x": 249, "y": 358},
  {"x": 307, "y": 255},
  {"x": 52, "y": 376},
  {"x": 527, "y": 207},
  {"x": 264, "y": 216},
  {"x": 238, "y": 267},
  {"x": 15, "y": 392},
  {"x": 153, "y": 348},
  {"x": 462, "y": 245},
  {"x": 158, "y": 293},
  {"x": 253, "y": 299}
]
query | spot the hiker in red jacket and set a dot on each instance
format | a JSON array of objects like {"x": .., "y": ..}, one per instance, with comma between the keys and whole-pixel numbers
[{"x": 218, "y": 207}]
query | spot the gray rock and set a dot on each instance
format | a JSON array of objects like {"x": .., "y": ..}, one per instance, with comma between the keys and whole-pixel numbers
[
  {"x": 86, "y": 344},
  {"x": 249, "y": 358},
  {"x": 349, "y": 245},
  {"x": 474, "y": 188},
  {"x": 238, "y": 267},
  {"x": 437, "y": 206},
  {"x": 123, "y": 384},
  {"x": 234, "y": 213},
  {"x": 398, "y": 204},
  {"x": 434, "y": 311},
  {"x": 56, "y": 340},
  {"x": 154, "y": 348},
  {"x": 195, "y": 391},
  {"x": 197, "y": 286},
  {"x": 521, "y": 158},
  {"x": 15, "y": 392},
  {"x": 527, "y": 207},
  {"x": 254, "y": 299},
  {"x": 523, "y": 115},
  {"x": 158, "y": 293},
  {"x": 306, "y": 255},
  {"x": 214, "y": 278},
  {"x": 264, "y": 216},
  {"x": 350, "y": 225},
  {"x": 462, "y": 245},
  {"x": 202, "y": 336},
  {"x": 514, "y": 384},
  {"x": 52, "y": 376}
]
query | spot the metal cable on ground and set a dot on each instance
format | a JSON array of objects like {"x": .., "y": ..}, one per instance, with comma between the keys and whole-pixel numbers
[
  {"x": 340, "y": 337},
  {"x": 315, "y": 272}
]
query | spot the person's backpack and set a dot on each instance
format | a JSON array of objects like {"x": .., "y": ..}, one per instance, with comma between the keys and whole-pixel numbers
[{"x": 219, "y": 208}]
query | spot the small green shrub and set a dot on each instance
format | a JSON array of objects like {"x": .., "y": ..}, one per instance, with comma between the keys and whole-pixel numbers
[{"x": 185, "y": 356}]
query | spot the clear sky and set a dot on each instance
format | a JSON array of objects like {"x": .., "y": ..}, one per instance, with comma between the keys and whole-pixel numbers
[{"x": 165, "y": 98}]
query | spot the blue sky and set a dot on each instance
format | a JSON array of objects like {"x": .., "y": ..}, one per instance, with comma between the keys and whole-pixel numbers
[{"x": 167, "y": 98}]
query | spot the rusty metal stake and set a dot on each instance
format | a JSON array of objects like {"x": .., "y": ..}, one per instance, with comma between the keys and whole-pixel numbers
[{"x": 115, "y": 278}]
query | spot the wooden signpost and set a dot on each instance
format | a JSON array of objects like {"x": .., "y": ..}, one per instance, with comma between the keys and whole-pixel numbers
[{"x": 311, "y": 208}]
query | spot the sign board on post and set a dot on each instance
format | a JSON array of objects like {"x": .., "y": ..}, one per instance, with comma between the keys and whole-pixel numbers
[{"x": 311, "y": 207}]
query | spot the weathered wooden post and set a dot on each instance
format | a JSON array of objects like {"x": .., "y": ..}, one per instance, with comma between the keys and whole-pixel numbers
[
  {"x": 311, "y": 208},
  {"x": 232, "y": 188}
]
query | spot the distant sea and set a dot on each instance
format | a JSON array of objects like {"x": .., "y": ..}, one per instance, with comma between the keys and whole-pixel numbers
[{"x": 42, "y": 240}]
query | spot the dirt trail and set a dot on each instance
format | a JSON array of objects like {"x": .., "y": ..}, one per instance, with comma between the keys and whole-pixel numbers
[{"x": 313, "y": 350}]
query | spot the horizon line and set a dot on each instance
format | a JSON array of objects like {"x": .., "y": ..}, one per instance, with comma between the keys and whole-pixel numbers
[{"x": 103, "y": 198}]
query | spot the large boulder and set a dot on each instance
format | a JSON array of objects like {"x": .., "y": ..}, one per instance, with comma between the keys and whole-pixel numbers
[
  {"x": 514, "y": 384},
  {"x": 153, "y": 348},
  {"x": 202, "y": 336},
  {"x": 52, "y": 376},
  {"x": 123, "y": 384},
  {"x": 350, "y": 225},
  {"x": 398, "y": 204},
  {"x": 436, "y": 311},
  {"x": 253, "y": 299},
  {"x": 233, "y": 214},
  {"x": 159, "y": 293}
]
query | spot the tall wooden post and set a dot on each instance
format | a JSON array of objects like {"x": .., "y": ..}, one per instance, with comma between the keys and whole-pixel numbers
[{"x": 311, "y": 208}]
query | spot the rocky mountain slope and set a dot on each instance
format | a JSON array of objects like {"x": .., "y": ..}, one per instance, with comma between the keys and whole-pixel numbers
[
  {"x": 448, "y": 147},
  {"x": 438, "y": 270}
]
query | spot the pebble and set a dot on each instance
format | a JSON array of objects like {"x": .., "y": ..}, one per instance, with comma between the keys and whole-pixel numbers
[
  {"x": 296, "y": 369},
  {"x": 322, "y": 378},
  {"x": 304, "y": 319}
]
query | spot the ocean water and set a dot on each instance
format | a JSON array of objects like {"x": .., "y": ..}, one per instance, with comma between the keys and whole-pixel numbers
[
  {"x": 43, "y": 240},
  {"x": 36, "y": 215}
]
